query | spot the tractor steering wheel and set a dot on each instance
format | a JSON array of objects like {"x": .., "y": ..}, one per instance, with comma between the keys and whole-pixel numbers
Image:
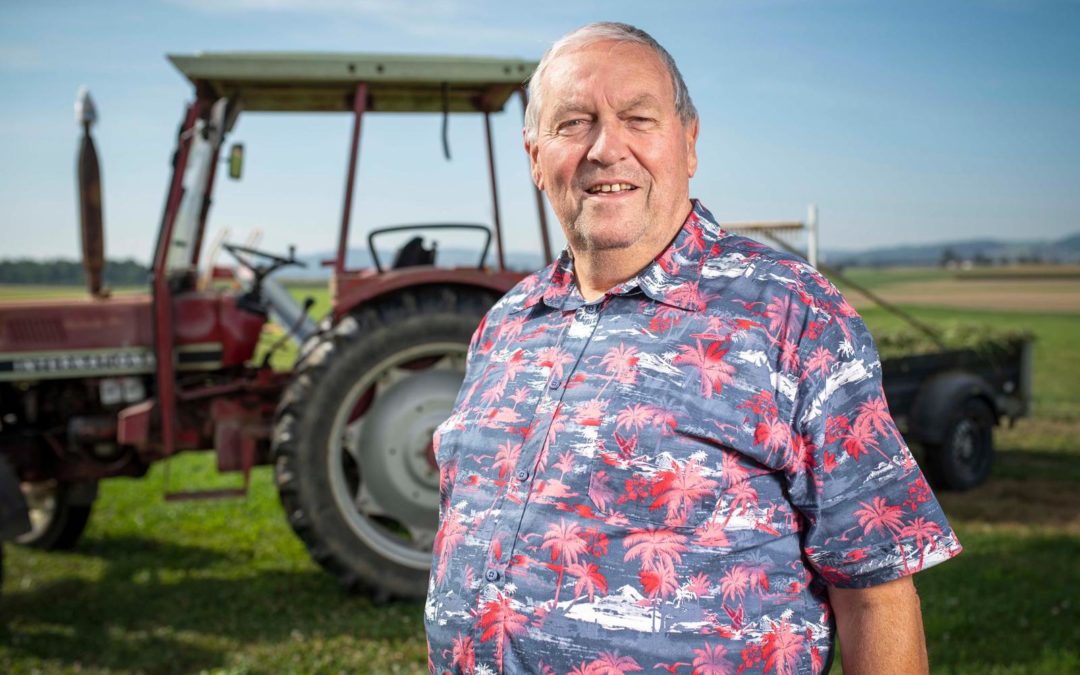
[{"x": 240, "y": 253}]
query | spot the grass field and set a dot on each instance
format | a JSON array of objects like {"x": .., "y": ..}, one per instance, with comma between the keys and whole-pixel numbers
[{"x": 226, "y": 587}]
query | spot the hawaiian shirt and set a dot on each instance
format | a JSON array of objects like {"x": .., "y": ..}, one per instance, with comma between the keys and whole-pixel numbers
[{"x": 669, "y": 477}]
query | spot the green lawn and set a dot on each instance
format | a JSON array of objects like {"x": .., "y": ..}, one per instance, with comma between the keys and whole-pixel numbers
[
  {"x": 875, "y": 278},
  {"x": 226, "y": 587}
]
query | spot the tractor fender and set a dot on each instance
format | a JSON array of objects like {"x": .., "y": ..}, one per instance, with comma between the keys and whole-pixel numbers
[
  {"x": 14, "y": 513},
  {"x": 938, "y": 397},
  {"x": 354, "y": 293}
]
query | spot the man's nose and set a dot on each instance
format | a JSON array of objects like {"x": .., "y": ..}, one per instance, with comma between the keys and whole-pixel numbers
[{"x": 609, "y": 144}]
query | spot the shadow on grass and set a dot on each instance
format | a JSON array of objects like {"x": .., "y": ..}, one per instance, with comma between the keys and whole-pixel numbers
[
  {"x": 1027, "y": 489},
  {"x": 162, "y": 608},
  {"x": 1006, "y": 603}
]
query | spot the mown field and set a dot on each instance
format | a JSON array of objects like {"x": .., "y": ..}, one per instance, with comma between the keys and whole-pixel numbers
[{"x": 225, "y": 587}]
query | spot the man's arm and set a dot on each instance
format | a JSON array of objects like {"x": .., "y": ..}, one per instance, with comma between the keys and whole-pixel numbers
[{"x": 880, "y": 627}]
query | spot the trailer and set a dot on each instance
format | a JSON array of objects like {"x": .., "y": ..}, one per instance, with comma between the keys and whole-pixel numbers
[{"x": 946, "y": 401}]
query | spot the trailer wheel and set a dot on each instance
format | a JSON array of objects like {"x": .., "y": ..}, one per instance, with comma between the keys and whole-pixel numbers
[
  {"x": 59, "y": 512},
  {"x": 352, "y": 442},
  {"x": 963, "y": 459}
]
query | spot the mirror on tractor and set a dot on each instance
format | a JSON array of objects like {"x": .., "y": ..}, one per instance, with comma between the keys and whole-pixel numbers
[{"x": 236, "y": 161}]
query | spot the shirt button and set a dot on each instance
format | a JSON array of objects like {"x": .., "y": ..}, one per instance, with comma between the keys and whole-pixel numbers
[
  {"x": 555, "y": 384},
  {"x": 491, "y": 575},
  {"x": 522, "y": 474},
  {"x": 592, "y": 309}
]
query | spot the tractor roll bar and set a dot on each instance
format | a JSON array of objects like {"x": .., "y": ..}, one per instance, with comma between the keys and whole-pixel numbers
[
  {"x": 494, "y": 191},
  {"x": 359, "y": 106}
]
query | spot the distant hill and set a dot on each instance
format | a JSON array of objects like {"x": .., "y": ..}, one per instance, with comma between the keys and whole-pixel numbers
[
  {"x": 1066, "y": 250},
  {"x": 1069, "y": 243}
]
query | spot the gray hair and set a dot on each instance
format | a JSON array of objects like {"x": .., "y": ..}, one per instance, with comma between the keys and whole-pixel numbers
[{"x": 600, "y": 32}]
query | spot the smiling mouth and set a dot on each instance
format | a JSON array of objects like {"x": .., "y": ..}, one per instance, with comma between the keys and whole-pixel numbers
[{"x": 610, "y": 187}]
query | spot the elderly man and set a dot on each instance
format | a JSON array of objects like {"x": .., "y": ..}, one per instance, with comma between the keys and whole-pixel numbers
[{"x": 671, "y": 450}]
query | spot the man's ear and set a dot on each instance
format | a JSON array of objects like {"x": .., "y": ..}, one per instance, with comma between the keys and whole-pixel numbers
[
  {"x": 691, "y": 147},
  {"x": 531, "y": 149}
]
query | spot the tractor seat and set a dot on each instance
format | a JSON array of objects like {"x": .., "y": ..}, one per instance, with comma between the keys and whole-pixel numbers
[{"x": 414, "y": 253}]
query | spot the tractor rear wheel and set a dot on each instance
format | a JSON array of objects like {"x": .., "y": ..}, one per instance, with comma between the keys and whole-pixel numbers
[
  {"x": 353, "y": 459},
  {"x": 59, "y": 512}
]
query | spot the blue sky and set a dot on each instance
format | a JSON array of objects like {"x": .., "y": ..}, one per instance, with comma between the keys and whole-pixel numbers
[{"x": 905, "y": 122}]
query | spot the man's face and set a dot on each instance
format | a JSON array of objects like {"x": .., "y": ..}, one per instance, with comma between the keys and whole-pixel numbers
[{"x": 611, "y": 152}]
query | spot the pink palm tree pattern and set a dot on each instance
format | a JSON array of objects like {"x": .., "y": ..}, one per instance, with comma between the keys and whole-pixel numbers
[
  {"x": 709, "y": 364},
  {"x": 678, "y": 489},
  {"x": 566, "y": 546},
  {"x": 654, "y": 481},
  {"x": 711, "y": 659},
  {"x": 499, "y": 622}
]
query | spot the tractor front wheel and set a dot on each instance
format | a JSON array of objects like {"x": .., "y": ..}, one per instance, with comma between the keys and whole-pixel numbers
[
  {"x": 59, "y": 512},
  {"x": 352, "y": 443}
]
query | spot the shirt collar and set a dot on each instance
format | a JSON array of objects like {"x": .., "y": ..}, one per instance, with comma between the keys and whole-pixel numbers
[{"x": 672, "y": 277}]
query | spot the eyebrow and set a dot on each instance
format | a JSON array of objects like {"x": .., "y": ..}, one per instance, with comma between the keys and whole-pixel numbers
[
  {"x": 566, "y": 107},
  {"x": 639, "y": 101},
  {"x": 645, "y": 99}
]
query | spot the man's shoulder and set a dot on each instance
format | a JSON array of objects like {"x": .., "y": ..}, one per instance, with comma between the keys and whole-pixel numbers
[{"x": 774, "y": 272}]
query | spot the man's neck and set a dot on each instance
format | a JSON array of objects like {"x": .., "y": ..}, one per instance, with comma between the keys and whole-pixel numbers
[{"x": 597, "y": 272}]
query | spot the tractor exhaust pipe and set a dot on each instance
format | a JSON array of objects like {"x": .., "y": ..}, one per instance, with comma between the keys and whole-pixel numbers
[{"x": 89, "y": 178}]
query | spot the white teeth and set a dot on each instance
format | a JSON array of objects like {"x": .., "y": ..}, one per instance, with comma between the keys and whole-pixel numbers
[{"x": 611, "y": 187}]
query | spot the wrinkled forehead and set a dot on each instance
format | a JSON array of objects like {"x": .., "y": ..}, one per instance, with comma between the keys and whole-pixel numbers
[{"x": 628, "y": 70}]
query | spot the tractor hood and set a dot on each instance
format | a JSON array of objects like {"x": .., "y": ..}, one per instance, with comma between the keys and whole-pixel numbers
[{"x": 312, "y": 82}]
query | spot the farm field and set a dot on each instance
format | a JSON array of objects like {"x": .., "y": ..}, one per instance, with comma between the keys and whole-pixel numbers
[
  {"x": 225, "y": 586},
  {"x": 1054, "y": 289}
]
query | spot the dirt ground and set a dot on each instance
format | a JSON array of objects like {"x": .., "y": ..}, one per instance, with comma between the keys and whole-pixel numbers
[{"x": 1029, "y": 295}]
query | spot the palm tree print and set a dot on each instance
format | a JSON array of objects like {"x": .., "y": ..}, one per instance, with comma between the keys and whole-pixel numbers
[
  {"x": 782, "y": 648},
  {"x": 711, "y": 659},
  {"x": 710, "y": 365},
  {"x": 654, "y": 546},
  {"x": 566, "y": 545},
  {"x": 500, "y": 622},
  {"x": 678, "y": 489}
]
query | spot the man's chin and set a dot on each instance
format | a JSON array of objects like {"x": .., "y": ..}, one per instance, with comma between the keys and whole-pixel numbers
[{"x": 596, "y": 242}]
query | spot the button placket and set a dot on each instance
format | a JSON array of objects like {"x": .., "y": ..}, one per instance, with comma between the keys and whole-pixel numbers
[{"x": 576, "y": 342}]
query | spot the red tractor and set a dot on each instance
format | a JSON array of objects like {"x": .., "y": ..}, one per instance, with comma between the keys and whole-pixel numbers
[{"x": 104, "y": 386}]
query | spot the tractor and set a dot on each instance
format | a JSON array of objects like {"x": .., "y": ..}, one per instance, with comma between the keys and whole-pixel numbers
[{"x": 108, "y": 384}]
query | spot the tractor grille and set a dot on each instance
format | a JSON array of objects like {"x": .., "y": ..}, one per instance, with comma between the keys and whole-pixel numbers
[{"x": 35, "y": 331}]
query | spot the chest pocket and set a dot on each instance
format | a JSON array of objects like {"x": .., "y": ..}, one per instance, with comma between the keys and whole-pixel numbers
[{"x": 656, "y": 476}]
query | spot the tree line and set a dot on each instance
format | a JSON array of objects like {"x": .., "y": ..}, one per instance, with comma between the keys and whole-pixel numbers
[{"x": 61, "y": 272}]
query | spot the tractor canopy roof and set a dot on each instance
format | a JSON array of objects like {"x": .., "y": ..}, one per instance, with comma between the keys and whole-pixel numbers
[{"x": 320, "y": 82}]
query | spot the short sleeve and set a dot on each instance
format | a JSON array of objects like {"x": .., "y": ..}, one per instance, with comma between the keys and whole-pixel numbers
[{"x": 870, "y": 515}]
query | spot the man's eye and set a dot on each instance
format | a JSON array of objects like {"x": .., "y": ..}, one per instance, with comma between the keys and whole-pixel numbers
[
  {"x": 641, "y": 122},
  {"x": 572, "y": 126}
]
